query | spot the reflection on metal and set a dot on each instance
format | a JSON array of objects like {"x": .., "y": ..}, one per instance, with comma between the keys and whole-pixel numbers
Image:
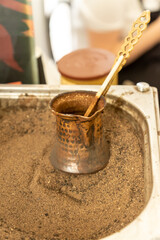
[{"x": 142, "y": 86}]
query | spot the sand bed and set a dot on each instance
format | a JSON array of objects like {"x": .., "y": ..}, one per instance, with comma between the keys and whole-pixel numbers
[{"x": 38, "y": 202}]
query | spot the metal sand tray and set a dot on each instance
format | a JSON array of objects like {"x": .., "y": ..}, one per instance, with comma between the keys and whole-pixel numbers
[
  {"x": 80, "y": 146},
  {"x": 142, "y": 106}
]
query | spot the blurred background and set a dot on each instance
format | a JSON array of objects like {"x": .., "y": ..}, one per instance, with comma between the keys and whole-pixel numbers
[{"x": 35, "y": 35}]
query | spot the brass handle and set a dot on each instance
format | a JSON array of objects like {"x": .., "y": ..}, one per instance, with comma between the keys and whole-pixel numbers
[{"x": 132, "y": 38}]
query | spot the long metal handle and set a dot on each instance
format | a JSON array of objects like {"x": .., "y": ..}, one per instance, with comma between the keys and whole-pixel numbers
[{"x": 132, "y": 38}]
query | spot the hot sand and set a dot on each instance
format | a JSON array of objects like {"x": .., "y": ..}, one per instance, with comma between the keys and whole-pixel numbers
[{"x": 38, "y": 202}]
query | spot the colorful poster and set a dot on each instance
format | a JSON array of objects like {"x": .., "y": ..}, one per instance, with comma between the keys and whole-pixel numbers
[{"x": 17, "y": 50}]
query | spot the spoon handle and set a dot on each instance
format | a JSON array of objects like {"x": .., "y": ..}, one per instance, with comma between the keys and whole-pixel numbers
[{"x": 132, "y": 38}]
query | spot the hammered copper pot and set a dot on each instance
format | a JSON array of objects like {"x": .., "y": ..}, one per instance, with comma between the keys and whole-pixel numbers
[{"x": 79, "y": 146}]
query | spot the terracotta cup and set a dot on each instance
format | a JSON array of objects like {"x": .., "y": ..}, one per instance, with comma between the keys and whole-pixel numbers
[
  {"x": 79, "y": 146},
  {"x": 88, "y": 66}
]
